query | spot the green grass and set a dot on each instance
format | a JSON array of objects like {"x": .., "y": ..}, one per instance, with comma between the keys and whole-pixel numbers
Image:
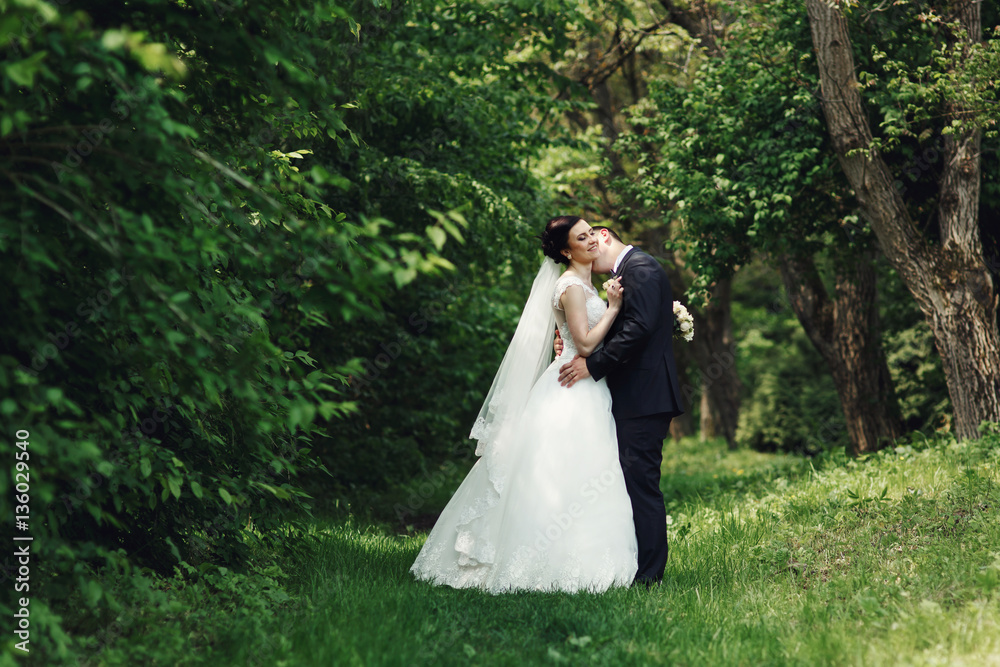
[{"x": 774, "y": 560}]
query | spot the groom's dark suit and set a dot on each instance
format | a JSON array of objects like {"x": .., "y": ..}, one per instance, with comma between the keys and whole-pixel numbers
[{"x": 638, "y": 360}]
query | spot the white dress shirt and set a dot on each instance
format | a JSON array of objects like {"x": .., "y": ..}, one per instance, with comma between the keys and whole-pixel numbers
[{"x": 620, "y": 257}]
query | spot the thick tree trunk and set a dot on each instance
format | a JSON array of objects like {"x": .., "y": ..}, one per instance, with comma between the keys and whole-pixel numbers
[
  {"x": 950, "y": 281},
  {"x": 845, "y": 331}
]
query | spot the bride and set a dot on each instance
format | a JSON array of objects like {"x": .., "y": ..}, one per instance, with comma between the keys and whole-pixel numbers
[{"x": 545, "y": 507}]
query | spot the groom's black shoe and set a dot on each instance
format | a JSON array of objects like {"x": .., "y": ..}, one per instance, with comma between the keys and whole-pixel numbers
[{"x": 647, "y": 582}]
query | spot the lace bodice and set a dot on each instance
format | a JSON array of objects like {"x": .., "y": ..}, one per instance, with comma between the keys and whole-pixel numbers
[{"x": 595, "y": 310}]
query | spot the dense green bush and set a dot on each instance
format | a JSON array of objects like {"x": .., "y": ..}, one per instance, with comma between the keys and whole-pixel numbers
[
  {"x": 168, "y": 267},
  {"x": 451, "y": 126},
  {"x": 221, "y": 216}
]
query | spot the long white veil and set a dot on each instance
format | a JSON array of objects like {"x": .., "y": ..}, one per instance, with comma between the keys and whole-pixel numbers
[{"x": 528, "y": 354}]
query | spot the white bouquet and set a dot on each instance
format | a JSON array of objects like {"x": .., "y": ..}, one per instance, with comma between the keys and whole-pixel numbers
[{"x": 683, "y": 322}]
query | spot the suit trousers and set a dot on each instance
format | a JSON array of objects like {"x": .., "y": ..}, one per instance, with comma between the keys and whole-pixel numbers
[{"x": 640, "y": 452}]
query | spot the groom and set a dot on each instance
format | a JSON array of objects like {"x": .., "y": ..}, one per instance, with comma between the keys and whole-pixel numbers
[{"x": 638, "y": 360}]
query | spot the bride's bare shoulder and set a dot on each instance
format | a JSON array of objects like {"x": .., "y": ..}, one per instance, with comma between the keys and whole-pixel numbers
[{"x": 570, "y": 276}]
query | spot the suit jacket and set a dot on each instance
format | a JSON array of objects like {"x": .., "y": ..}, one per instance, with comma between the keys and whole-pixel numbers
[{"x": 638, "y": 353}]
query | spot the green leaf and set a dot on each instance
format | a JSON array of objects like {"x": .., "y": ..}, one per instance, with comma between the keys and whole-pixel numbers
[
  {"x": 24, "y": 71},
  {"x": 114, "y": 39},
  {"x": 438, "y": 236},
  {"x": 281, "y": 494},
  {"x": 404, "y": 276},
  {"x": 95, "y": 511},
  {"x": 92, "y": 592},
  {"x": 225, "y": 496}
]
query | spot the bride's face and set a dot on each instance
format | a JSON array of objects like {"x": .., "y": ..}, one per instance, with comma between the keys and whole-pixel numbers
[{"x": 582, "y": 245}]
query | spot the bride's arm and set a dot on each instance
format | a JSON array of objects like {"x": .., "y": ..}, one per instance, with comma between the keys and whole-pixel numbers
[{"x": 574, "y": 303}]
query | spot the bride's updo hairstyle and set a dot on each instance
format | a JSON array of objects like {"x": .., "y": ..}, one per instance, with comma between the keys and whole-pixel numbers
[{"x": 555, "y": 238}]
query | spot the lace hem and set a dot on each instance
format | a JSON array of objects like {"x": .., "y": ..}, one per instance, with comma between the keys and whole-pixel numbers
[{"x": 525, "y": 572}]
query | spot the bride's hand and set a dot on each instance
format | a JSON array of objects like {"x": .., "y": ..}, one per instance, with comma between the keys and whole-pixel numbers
[{"x": 615, "y": 290}]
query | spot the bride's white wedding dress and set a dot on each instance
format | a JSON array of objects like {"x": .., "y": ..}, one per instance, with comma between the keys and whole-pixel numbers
[{"x": 545, "y": 509}]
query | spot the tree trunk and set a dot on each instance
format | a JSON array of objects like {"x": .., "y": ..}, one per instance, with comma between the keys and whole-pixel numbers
[
  {"x": 950, "y": 281},
  {"x": 715, "y": 350},
  {"x": 681, "y": 426},
  {"x": 845, "y": 331},
  {"x": 707, "y": 424}
]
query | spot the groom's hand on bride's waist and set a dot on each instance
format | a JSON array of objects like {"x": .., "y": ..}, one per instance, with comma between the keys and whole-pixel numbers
[{"x": 573, "y": 372}]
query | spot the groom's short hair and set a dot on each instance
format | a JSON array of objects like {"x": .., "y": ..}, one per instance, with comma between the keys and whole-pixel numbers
[{"x": 613, "y": 233}]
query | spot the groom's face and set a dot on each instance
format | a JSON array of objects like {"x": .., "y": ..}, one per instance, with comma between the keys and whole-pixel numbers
[{"x": 605, "y": 262}]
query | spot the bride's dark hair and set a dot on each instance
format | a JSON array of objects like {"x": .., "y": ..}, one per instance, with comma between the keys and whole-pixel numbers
[{"x": 556, "y": 237}]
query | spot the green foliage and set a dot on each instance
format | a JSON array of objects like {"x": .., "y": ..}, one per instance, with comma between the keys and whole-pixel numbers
[
  {"x": 921, "y": 84},
  {"x": 738, "y": 159},
  {"x": 791, "y": 404},
  {"x": 201, "y": 610},
  {"x": 736, "y": 156},
  {"x": 194, "y": 244},
  {"x": 230, "y": 247},
  {"x": 450, "y": 126},
  {"x": 955, "y": 75}
]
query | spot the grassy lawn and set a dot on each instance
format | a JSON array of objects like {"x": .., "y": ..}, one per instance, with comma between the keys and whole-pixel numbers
[{"x": 774, "y": 560}]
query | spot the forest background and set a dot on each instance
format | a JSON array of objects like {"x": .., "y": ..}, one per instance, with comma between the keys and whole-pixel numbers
[{"x": 262, "y": 259}]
